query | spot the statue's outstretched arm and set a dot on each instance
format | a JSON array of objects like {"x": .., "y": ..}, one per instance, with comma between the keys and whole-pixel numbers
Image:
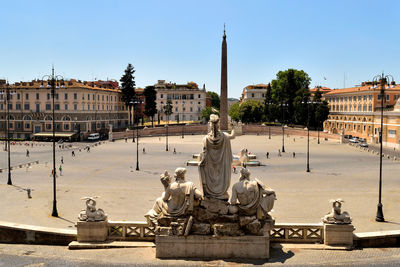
[
  {"x": 232, "y": 135},
  {"x": 167, "y": 194}
]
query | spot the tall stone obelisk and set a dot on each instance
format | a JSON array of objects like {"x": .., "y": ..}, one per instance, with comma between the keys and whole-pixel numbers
[{"x": 224, "y": 86}]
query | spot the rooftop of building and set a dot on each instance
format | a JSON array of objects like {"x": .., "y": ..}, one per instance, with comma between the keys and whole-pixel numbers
[
  {"x": 256, "y": 86},
  {"x": 110, "y": 86},
  {"x": 161, "y": 84},
  {"x": 322, "y": 89},
  {"x": 364, "y": 87}
]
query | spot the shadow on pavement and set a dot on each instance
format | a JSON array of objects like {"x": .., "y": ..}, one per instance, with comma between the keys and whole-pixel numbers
[
  {"x": 278, "y": 255},
  {"x": 61, "y": 218}
]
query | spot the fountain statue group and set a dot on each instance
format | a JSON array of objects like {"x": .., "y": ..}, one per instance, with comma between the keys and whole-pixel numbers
[{"x": 184, "y": 210}]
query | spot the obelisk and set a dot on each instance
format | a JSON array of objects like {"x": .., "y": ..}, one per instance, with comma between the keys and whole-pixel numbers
[{"x": 224, "y": 87}]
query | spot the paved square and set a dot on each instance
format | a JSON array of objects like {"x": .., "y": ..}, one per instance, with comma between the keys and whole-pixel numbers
[{"x": 108, "y": 171}]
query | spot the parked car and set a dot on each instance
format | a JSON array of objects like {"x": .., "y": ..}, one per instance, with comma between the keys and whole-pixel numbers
[
  {"x": 353, "y": 140},
  {"x": 362, "y": 140},
  {"x": 363, "y": 144},
  {"x": 94, "y": 137},
  {"x": 348, "y": 136}
]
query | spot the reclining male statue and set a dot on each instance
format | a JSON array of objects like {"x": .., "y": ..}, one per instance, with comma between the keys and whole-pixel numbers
[
  {"x": 251, "y": 197},
  {"x": 178, "y": 199}
]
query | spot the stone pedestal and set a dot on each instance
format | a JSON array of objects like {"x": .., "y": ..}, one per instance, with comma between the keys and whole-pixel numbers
[
  {"x": 209, "y": 247},
  {"x": 92, "y": 231},
  {"x": 338, "y": 234}
]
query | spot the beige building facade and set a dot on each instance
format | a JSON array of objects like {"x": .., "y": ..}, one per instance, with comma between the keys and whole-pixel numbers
[
  {"x": 356, "y": 111},
  {"x": 254, "y": 92},
  {"x": 187, "y": 100},
  {"x": 80, "y": 108}
]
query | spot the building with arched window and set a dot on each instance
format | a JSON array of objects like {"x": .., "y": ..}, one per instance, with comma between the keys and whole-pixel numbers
[
  {"x": 356, "y": 111},
  {"x": 80, "y": 108}
]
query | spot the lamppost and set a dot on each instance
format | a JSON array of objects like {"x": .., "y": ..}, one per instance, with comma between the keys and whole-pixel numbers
[
  {"x": 134, "y": 102},
  {"x": 53, "y": 80},
  {"x": 308, "y": 136},
  {"x": 269, "y": 126},
  {"x": 383, "y": 81},
  {"x": 166, "y": 135},
  {"x": 283, "y": 126},
  {"x": 7, "y": 94},
  {"x": 183, "y": 131},
  {"x": 318, "y": 133}
]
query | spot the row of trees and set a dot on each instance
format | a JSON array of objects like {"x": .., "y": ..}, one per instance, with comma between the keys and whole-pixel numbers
[{"x": 287, "y": 100}]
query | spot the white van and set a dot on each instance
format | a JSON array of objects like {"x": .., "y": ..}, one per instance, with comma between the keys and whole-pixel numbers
[{"x": 94, "y": 137}]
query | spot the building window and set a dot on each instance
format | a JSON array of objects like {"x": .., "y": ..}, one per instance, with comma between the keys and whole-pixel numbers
[
  {"x": 26, "y": 96},
  {"x": 75, "y": 96},
  {"x": 48, "y": 106},
  {"x": 252, "y": 95},
  {"x": 176, "y": 109},
  {"x": 56, "y": 95},
  {"x": 66, "y": 126},
  {"x": 48, "y": 126},
  {"x": 26, "y": 106},
  {"x": 37, "y": 107},
  {"x": 379, "y": 96},
  {"x": 18, "y": 96},
  {"x": 199, "y": 96},
  {"x": 102, "y": 97},
  {"x": 37, "y": 96},
  {"x": 369, "y": 97},
  {"x": 18, "y": 106},
  {"x": 392, "y": 133},
  {"x": 88, "y": 96},
  {"x": 48, "y": 96},
  {"x": 364, "y": 107},
  {"x": 88, "y": 106},
  {"x": 369, "y": 107},
  {"x": 27, "y": 125},
  {"x": 66, "y": 106},
  {"x": 365, "y": 97},
  {"x": 75, "y": 107},
  {"x": 191, "y": 109},
  {"x": 57, "y": 106},
  {"x": 387, "y": 97},
  {"x": 66, "y": 96},
  {"x": 98, "y": 97}
]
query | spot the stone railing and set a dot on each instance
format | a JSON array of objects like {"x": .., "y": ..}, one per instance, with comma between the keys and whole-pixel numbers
[
  {"x": 297, "y": 233},
  {"x": 130, "y": 231},
  {"x": 283, "y": 232}
]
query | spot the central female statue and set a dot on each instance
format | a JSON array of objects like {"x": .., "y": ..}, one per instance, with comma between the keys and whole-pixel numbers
[{"x": 216, "y": 161}]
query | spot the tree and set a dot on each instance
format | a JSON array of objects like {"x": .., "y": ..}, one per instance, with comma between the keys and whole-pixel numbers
[
  {"x": 251, "y": 111},
  {"x": 268, "y": 102},
  {"x": 215, "y": 101},
  {"x": 128, "y": 86},
  {"x": 234, "y": 111},
  {"x": 168, "y": 109},
  {"x": 150, "y": 102},
  {"x": 205, "y": 113},
  {"x": 288, "y": 85}
]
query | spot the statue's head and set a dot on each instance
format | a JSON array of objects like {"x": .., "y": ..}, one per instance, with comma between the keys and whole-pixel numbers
[
  {"x": 214, "y": 124},
  {"x": 244, "y": 174},
  {"x": 180, "y": 173},
  {"x": 165, "y": 179}
]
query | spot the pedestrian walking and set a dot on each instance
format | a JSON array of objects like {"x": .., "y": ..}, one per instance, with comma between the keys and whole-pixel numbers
[
  {"x": 294, "y": 154},
  {"x": 174, "y": 150},
  {"x": 27, "y": 153},
  {"x": 267, "y": 155},
  {"x": 294, "y": 139},
  {"x": 144, "y": 151},
  {"x": 73, "y": 153},
  {"x": 62, "y": 160},
  {"x": 60, "y": 169},
  {"x": 234, "y": 169},
  {"x": 279, "y": 153},
  {"x": 126, "y": 140}
]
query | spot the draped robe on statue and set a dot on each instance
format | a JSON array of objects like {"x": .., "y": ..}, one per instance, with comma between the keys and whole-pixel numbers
[{"x": 215, "y": 165}]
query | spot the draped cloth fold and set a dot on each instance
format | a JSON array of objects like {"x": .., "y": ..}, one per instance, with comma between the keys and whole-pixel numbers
[{"x": 215, "y": 166}]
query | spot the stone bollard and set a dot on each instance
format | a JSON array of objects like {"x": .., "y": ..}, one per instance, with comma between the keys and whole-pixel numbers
[{"x": 92, "y": 225}]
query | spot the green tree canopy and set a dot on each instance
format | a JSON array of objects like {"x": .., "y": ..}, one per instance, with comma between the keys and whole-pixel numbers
[
  {"x": 215, "y": 101},
  {"x": 150, "y": 102},
  {"x": 251, "y": 111},
  {"x": 234, "y": 111},
  {"x": 205, "y": 113},
  {"x": 128, "y": 85},
  {"x": 168, "y": 109}
]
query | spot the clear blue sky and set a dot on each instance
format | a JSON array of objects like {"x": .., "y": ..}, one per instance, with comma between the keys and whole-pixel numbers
[{"x": 180, "y": 41}]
